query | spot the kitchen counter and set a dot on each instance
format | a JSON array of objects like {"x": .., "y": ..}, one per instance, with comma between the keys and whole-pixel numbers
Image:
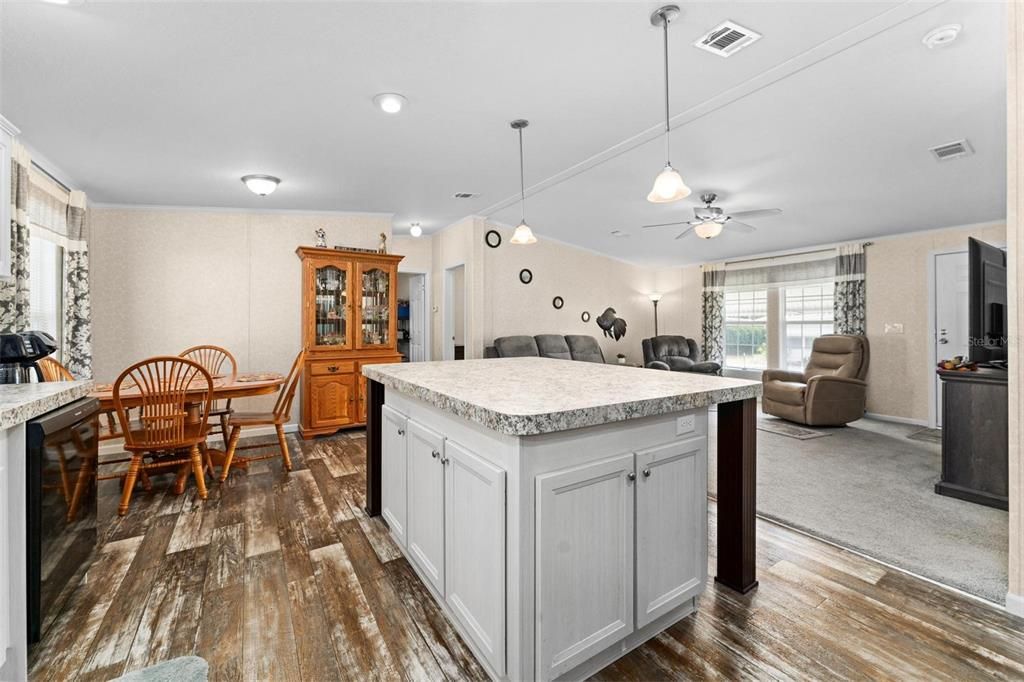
[
  {"x": 21, "y": 402},
  {"x": 530, "y": 396}
]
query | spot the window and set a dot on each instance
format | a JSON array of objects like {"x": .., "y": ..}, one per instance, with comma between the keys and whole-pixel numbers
[
  {"x": 807, "y": 314},
  {"x": 46, "y": 293},
  {"x": 746, "y": 329}
]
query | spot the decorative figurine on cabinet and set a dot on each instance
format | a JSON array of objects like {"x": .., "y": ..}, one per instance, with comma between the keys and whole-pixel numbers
[
  {"x": 321, "y": 238},
  {"x": 383, "y": 248}
]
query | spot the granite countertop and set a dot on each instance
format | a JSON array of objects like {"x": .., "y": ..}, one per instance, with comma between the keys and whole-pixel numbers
[
  {"x": 530, "y": 396},
  {"x": 21, "y": 402}
]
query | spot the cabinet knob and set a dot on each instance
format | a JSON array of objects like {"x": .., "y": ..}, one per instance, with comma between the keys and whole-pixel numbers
[
  {"x": 631, "y": 476},
  {"x": 401, "y": 432},
  {"x": 435, "y": 454},
  {"x": 647, "y": 472},
  {"x": 332, "y": 368},
  {"x": 444, "y": 460}
]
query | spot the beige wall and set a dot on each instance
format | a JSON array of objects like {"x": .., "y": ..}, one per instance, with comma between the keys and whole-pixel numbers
[{"x": 166, "y": 279}]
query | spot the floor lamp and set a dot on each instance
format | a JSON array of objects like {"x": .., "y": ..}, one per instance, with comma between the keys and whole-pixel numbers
[{"x": 654, "y": 299}]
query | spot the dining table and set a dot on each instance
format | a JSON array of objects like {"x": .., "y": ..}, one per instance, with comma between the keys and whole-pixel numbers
[{"x": 248, "y": 385}]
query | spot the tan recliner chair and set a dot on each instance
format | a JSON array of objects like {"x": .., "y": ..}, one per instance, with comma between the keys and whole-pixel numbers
[{"x": 831, "y": 391}]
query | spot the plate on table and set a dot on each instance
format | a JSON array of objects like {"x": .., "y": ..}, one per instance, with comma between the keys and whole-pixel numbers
[{"x": 261, "y": 376}]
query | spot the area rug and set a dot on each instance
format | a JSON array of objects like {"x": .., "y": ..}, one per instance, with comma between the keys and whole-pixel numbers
[
  {"x": 927, "y": 435},
  {"x": 788, "y": 429},
  {"x": 870, "y": 488}
]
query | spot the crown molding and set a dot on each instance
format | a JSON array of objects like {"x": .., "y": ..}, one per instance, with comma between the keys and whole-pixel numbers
[{"x": 235, "y": 209}]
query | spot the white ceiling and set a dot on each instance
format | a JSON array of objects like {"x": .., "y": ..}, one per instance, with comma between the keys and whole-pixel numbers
[{"x": 829, "y": 116}]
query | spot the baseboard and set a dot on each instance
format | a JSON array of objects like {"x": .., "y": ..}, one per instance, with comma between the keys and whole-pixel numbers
[
  {"x": 1015, "y": 604},
  {"x": 112, "y": 447},
  {"x": 897, "y": 420}
]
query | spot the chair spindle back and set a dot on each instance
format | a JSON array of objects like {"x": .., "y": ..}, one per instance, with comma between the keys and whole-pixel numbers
[
  {"x": 283, "y": 407},
  {"x": 54, "y": 371},
  {"x": 166, "y": 384},
  {"x": 213, "y": 359}
]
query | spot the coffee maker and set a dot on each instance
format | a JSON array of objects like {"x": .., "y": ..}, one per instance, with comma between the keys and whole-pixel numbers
[{"x": 20, "y": 354}]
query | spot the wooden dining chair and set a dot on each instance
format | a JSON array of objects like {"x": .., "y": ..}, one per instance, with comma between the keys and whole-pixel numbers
[
  {"x": 219, "y": 362},
  {"x": 54, "y": 371},
  {"x": 164, "y": 425},
  {"x": 278, "y": 418}
]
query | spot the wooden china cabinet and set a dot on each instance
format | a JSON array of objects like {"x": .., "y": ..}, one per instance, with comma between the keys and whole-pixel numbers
[{"x": 349, "y": 319}]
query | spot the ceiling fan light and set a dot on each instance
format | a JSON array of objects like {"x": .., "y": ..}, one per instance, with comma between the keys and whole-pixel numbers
[
  {"x": 415, "y": 230},
  {"x": 668, "y": 187},
  {"x": 523, "y": 235},
  {"x": 708, "y": 230},
  {"x": 261, "y": 184}
]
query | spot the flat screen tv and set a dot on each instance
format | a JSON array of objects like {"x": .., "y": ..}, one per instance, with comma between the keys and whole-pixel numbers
[{"x": 987, "y": 296}]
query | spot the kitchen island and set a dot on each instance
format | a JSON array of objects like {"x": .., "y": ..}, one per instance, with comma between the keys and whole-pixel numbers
[{"x": 557, "y": 510}]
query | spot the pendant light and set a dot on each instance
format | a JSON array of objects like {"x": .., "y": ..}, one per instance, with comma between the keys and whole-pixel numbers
[
  {"x": 522, "y": 234},
  {"x": 669, "y": 185}
]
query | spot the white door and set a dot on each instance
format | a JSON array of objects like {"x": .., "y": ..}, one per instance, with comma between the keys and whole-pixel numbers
[
  {"x": 474, "y": 566},
  {"x": 426, "y": 502},
  {"x": 394, "y": 470},
  {"x": 6, "y": 618},
  {"x": 584, "y": 562},
  {"x": 951, "y": 313},
  {"x": 671, "y": 527},
  {"x": 417, "y": 318}
]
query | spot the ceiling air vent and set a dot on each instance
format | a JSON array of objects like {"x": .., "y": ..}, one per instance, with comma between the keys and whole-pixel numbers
[
  {"x": 952, "y": 150},
  {"x": 465, "y": 195},
  {"x": 727, "y": 39}
]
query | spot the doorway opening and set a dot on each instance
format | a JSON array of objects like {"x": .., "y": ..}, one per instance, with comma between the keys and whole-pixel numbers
[
  {"x": 454, "y": 337},
  {"x": 949, "y": 313},
  {"x": 412, "y": 317}
]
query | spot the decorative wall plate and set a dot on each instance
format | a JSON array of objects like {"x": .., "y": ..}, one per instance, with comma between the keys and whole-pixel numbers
[
  {"x": 585, "y": 316},
  {"x": 492, "y": 239},
  {"x": 525, "y": 276},
  {"x": 557, "y": 302}
]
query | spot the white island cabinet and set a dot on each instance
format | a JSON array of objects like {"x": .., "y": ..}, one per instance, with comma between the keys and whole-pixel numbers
[{"x": 556, "y": 510}]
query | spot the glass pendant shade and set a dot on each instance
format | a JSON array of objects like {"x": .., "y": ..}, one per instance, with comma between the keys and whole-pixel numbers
[
  {"x": 668, "y": 187},
  {"x": 708, "y": 230},
  {"x": 523, "y": 235}
]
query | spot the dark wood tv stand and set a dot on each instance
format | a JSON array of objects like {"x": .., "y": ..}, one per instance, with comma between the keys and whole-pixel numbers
[{"x": 975, "y": 437}]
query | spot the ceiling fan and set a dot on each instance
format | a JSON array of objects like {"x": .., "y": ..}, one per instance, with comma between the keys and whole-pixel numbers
[{"x": 709, "y": 221}]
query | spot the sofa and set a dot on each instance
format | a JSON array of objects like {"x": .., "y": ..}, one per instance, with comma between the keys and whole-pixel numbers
[
  {"x": 831, "y": 391},
  {"x": 676, "y": 354},
  {"x": 578, "y": 347}
]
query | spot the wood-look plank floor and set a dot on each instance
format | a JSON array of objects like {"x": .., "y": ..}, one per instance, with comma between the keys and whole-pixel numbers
[{"x": 283, "y": 577}]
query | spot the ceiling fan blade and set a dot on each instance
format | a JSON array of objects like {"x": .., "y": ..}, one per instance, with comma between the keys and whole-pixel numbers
[
  {"x": 740, "y": 227},
  {"x": 685, "y": 232},
  {"x": 756, "y": 213},
  {"x": 678, "y": 222}
]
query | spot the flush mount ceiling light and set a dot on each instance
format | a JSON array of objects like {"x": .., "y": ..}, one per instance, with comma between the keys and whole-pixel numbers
[
  {"x": 941, "y": 36},
  {"x": 261, "y": 184},
  {"x": 64, "y": 2},
  {"x": 522, "y": 234},
  {"x": 708, "y": 230},
  {"x": 669, "y": 185},
  {"x": 415, "y": 230},
  {"x": 390, "y": 102}
]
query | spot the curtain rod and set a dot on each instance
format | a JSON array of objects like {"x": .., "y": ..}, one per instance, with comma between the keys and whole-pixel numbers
[
  {"x": 785, "y": 255},
  {"x": 51, "y": 176}
]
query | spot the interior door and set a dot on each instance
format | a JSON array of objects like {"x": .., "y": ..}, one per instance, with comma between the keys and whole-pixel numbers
[
  {"x": 417, "y": 318},
  {"x": 951, "y": 313},
  {"x": 671, "y": 527},
  {"x": 426, "y": 502},
  {"x": 474, "y": 499},
  {"x": 394, "y": 473},
  {"x": 585, "y": 588}
]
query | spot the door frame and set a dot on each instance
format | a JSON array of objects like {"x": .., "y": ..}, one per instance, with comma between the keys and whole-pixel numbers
[
  {"x": 428, "y": 317},
  {"x": 932, "y": 358},
  {"x": 447, "y": 321}
]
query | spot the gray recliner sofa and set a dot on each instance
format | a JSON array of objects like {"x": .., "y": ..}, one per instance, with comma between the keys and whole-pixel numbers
[{"x": 578, "y": 347}]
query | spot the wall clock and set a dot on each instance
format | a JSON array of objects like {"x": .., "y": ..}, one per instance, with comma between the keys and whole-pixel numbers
[
  {"x": 585, "y": 316},
  {"x": 493, "y": 239},
  {"x": 557, "y": 302},
  {"x": 525, "y": 276}
]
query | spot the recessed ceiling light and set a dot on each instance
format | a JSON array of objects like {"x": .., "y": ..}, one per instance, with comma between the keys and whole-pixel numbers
[
  {"x": 941, "y": 36},
  {"x": 415, "y": 230},
  {"x": 261, "y": 184},
  {"x": 389, "y": 102}
]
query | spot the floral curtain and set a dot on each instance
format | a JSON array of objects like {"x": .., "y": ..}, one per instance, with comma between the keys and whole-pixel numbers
[
  {"x": 14, "y": 301},
  {"x": 77, "y": 341},
  {"x": 713, "y": 304},
  {"x": 849, "y": 302}
]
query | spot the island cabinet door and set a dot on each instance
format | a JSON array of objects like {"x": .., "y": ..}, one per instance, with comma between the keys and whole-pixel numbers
[
  {"x": 475, "y": 549},
  {"x": 426, "y": 502},
  {"x": 671, "y": 527},
  {"x": 585, "y": 562},
  {"x": 394, "y": 473}
]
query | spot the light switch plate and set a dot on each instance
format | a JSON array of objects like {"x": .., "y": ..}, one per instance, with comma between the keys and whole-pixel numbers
[
  {"x": 685, "y": 424},
  {"x": 893, "y": 327}
]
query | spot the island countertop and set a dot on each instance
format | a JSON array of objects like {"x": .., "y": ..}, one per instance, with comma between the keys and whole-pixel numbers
[
  {"x": 531, "y": 396},
  {"x": 21, "y": 402}
]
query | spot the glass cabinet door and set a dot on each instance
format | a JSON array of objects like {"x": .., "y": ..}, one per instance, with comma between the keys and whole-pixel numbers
[
  {"x": 375, "y": 306},
  {"x": 331, "y": 306}
]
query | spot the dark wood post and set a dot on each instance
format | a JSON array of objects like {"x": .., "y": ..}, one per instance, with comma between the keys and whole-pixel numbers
[
  {"x": 737, "y": 494},
  {"x": 375, "y": 396}
]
